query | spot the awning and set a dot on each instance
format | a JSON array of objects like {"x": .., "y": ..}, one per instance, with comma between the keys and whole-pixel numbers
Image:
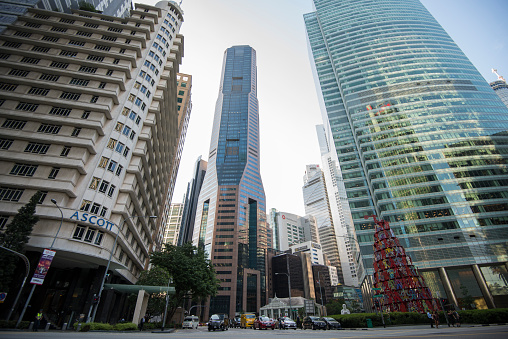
[{"x": 136, "y": 288}]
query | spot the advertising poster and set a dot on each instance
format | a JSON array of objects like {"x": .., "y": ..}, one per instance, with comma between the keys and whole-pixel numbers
[{"x": 43, "y": 267}]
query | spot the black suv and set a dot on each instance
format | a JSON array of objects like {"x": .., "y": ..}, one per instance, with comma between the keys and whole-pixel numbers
[
  {"x": 218, "y": 322},
  {"x": 316, "y": 323},
  {"x": 331, "y": 324}
]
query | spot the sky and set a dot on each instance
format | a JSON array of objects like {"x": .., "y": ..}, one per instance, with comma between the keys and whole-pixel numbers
[{"x": 288, "y": 102}]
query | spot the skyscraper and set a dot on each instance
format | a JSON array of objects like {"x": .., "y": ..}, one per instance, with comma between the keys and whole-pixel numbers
[
  {"x": 420, "y": 138},
  {"x": 500, "y": 87},
  {"x": 88, "y": 116},
  {"x": 290, "y": 229},
  {"x": 230, "y": 216},
  {"x": 174, "y": 221}
]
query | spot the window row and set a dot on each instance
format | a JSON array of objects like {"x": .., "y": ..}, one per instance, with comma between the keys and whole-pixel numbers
[
  {"x": 94, "y": 208},
  {"x": 103, "y": 186},
  {"x": 88, "y": 234},
  {"x": 111, "y": 165}
]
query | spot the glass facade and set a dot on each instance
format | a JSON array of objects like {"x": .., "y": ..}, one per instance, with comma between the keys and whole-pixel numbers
[
  {"x": 231, "y": 213},
  {"x": 420, "y": 136}
]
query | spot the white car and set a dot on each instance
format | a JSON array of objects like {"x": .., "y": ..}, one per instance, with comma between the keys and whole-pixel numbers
[
  {"x": 191, "y": 322},
  {"x": 288, "y": 323}
]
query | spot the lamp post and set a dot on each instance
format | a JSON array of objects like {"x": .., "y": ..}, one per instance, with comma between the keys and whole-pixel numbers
[
  {"x": 320, "y": 291},
  {"x": 96, "y": 306},
  {"x": 51, "y": 247},
  {"x": 27, "y": 265}
]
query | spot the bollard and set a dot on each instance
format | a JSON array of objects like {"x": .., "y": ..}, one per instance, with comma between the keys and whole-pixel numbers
[
  {"x": 78, "y": 328},
  {"x": 31, "y": 326},
  {"x": 64, "y": 327},
  {"x": 47, "y": 327}
]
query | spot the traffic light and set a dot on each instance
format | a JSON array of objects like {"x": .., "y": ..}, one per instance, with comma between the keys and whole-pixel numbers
[
  {"x": 376, "y": 302},
  {"x": 95, "y": 299}
]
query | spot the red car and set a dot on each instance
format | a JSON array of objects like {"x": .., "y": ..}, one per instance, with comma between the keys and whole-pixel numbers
[{"x": 263, "y": 322}]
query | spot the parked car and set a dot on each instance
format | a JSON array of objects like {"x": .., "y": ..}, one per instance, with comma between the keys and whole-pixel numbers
[
  {"x": 247, "y": 320},
  {"x": 332, "y": 324},
  {"x": 287, "y": 323},
  {"x": 316, "y": 323},
  {"x": 191, "y": 322},
  {"x": 218, "y": 322},
  {"x": 235, "y": 322},
  {"x": 264, "y": 323}
]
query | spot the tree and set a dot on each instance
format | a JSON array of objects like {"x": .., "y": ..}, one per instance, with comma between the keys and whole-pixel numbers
[
  {"x": 86, "y": 6},
  {"x": 157, "y": 276},
  {"x": 467, "y": 300},
  {"x": 16, "y": 235},
  {"x": 193, "y": 275},
  {"x": 334, "y": 306}
]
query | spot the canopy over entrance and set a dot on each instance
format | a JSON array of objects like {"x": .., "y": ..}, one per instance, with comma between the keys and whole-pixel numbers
[{"x": 136, "y": 288}]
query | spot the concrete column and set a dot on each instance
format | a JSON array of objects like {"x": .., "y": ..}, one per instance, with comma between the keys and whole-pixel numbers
[
  {"x": 141, "y": 304},
  {"x": 483, "y": 286},
  {"x": 448, "y": 286}
]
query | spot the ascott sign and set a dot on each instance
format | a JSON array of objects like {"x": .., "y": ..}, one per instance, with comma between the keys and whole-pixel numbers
[{"x": 92, "y": 219}]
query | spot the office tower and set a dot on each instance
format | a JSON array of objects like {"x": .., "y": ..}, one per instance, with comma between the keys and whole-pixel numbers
[
  {"x": 316, "y": 202},
  {"x": 88, "y": 108},
  {"x": 343, "y": 232},
  {"x": 184, "y": 107},
  {"x": 287, "y": 269},
  {"x": 420, "y": 139},
  {"x": 290, "y": 229},
  {"x": 500, "y": 87},
  {"x": 172, "y": 228},
  {"x": 311, "y": 247},
  {"x": 191, "y": 202},
  {"x": 230, "y": 216}
]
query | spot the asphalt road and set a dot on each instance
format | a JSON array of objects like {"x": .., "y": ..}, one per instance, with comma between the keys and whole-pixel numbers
[{"x": 464, "y": 332}]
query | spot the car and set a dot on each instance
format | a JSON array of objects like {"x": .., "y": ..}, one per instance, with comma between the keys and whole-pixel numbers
[
  {"x": 331, "y": 324},
  {"x": 287, "y": 323},
  {"x": 316, "y": 323},
  {"x": 247, "y": 320},
  {"x": 264, "y": 322},
  {"x": 235, "y": 322},
  {"x": 218, "y": 322},
  {"x": 191, "y": 322}
]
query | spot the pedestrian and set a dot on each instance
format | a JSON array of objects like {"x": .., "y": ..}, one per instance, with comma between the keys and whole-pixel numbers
[
  {"x": 451, "y": 318},
  {"x": 457, "y": 318},
  {"x": 298, "y": 322},
  {"x": 37, "y": 322},
  {"x": 141, "y": 324},
  {"x": 280, "y": 323},
  {"x": 431, "y": 319},
  {"x": 436, "y": 319}
]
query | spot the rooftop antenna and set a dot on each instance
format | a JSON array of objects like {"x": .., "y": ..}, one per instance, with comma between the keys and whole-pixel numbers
[{"x": 498, "y": 76}]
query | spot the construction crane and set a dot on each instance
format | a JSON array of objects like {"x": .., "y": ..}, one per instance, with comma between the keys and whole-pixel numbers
[{"x": 498, "y": 76}]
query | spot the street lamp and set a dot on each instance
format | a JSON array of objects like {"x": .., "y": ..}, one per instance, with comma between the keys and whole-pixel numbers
[{"x": 109, "y": 262}]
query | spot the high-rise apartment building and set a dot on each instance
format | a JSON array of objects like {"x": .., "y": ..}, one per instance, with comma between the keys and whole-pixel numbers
[
  {"x": 88, "y": 116},
  {"x": 118, "y": 8},
  {"x": 172, "y": 228},
  {"x": 230, "y": 216},
  {"x": 191, "y": 201},
  {"x": 421, "y": 141},
  {"x": 500, "y": 87}
]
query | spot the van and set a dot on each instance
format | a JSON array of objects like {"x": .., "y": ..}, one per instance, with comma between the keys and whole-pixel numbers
[
  {"x": 247, "y": 320},
  {"x": 190, "y": 321}
]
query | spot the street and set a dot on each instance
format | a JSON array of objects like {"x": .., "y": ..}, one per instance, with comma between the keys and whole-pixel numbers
[{"x": 492, "y": 332}]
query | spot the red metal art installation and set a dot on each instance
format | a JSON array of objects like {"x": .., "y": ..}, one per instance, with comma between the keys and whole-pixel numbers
[{"x": 404, "y": 290}]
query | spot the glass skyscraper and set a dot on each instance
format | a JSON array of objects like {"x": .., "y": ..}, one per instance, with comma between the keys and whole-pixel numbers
[
  {"x": 421, "y": 140},
  {"x": 230, "y": 216}
]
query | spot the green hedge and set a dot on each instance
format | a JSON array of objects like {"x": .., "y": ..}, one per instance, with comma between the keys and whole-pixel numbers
[
  {"x": 125, "y": 327},
  {"x": 359, "y": 320},
  {"x": 12, "y": 324}
]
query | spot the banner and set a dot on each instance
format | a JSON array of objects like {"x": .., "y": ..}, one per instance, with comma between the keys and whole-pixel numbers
[{"x": 43, "y": 267}]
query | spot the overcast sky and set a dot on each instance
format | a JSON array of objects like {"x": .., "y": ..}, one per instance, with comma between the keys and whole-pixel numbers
[{"x": 289, "y": 108}]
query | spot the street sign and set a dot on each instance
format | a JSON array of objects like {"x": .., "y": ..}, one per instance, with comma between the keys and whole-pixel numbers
[
  {"x": 376, "y": 288},
  {"x": 3, "y": 295},
  {"x": 377, "y": 295}
]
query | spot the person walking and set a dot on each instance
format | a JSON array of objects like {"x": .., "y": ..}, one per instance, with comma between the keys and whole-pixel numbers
[
  {"x": 141, "y": 324},
  {"x": 451, "y": 318},
  {"x": 298, "y": 322},
  {"x": 431, "y": 319},
  {"x": 456, "y": 318},
  {"x": 436, "y": 319},
  {"x": 37, "y": 322}
]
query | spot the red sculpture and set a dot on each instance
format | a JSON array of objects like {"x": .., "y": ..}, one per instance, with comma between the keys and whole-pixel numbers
[{"x": 404, "y": 290}]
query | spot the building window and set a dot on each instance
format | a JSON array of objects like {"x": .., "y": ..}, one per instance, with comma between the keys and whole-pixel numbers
[
  {"x": 103, "y": 186},
  {"x": 81, "y": 33},
  {"x": 33, "y": 61},
  {"x": 111, "y": 190},
  {"x": 49, "y": 77},
  {"x": 119, "y": 147},
  {"x": 19, "y": 73},
  {"x": 119, "y": 126},
  {"x": 104, "y": 162},
  {"x": 112, "y": 166},
  {"x": 89, "y": 235},
  {"x": 37, "y": 148},
  {"x": 70, "y": 96},
  {"x": 14, "y": 124},
  {"x": 87, "y": 69},
  {"x": 32, "y": 24},
  {"x": 143, "y": 106},
  {"x": 133, "y": 135},
  {"x": 62, "y": 65},
  {"x": 119, "y": 170},
  {"x": 99, "y": 237},
  {"x": 10, "y": 194},
  {"x": 61, "y": 111},
  {"x": 25, "y": 106},
  {"x": 95, "y": 182},
  {"x": 76, "y": 132},
  {"x": 102, "y": 85},
  {"x": 94, "y": 99},
  {"x": 126, "y": 130},
  {"x": 132, "y": 115},
  {"x": 85, "y": 205},
  {"x": 87, "y": 24},
  {"x": 8, "y": 87},
  {"x": 40, "y": 49},
  {"x": 108, "y": 38},
  {"x": 50, "y": 38},
  {"x": 65, "y": 151},
  {"x": 131, "y": 97},
  {"x": 23, "y": 170},
  {"x": 54, "y": 172},
  {"x": 70, "y": 54},
  {"x": 103, "y": 48},
  {"x": 78, "y": 232},
  {"x": 109, "y": 72},
  {"x": 138, "y": 120},
  {"x": 95, "y": 208},
  {"x": 126, "y": 151},
  {"x": 85, "y": 115},
  {"x": 77, "y": 43},
  {"x": 3, "y": 221},
  {"x": 50, "y": 129},
  {"x": 43, "y": 196},
  {"x": 59, "y": 29},
  {"x": 111, "y": 143},
  {"x": 79, "y": 82},
  {"x": 12, "y": 44},
  {"x": 97, "y": 58},
  {"x": 116, "y": 61},
  {"x": 6, "y": 143}
]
